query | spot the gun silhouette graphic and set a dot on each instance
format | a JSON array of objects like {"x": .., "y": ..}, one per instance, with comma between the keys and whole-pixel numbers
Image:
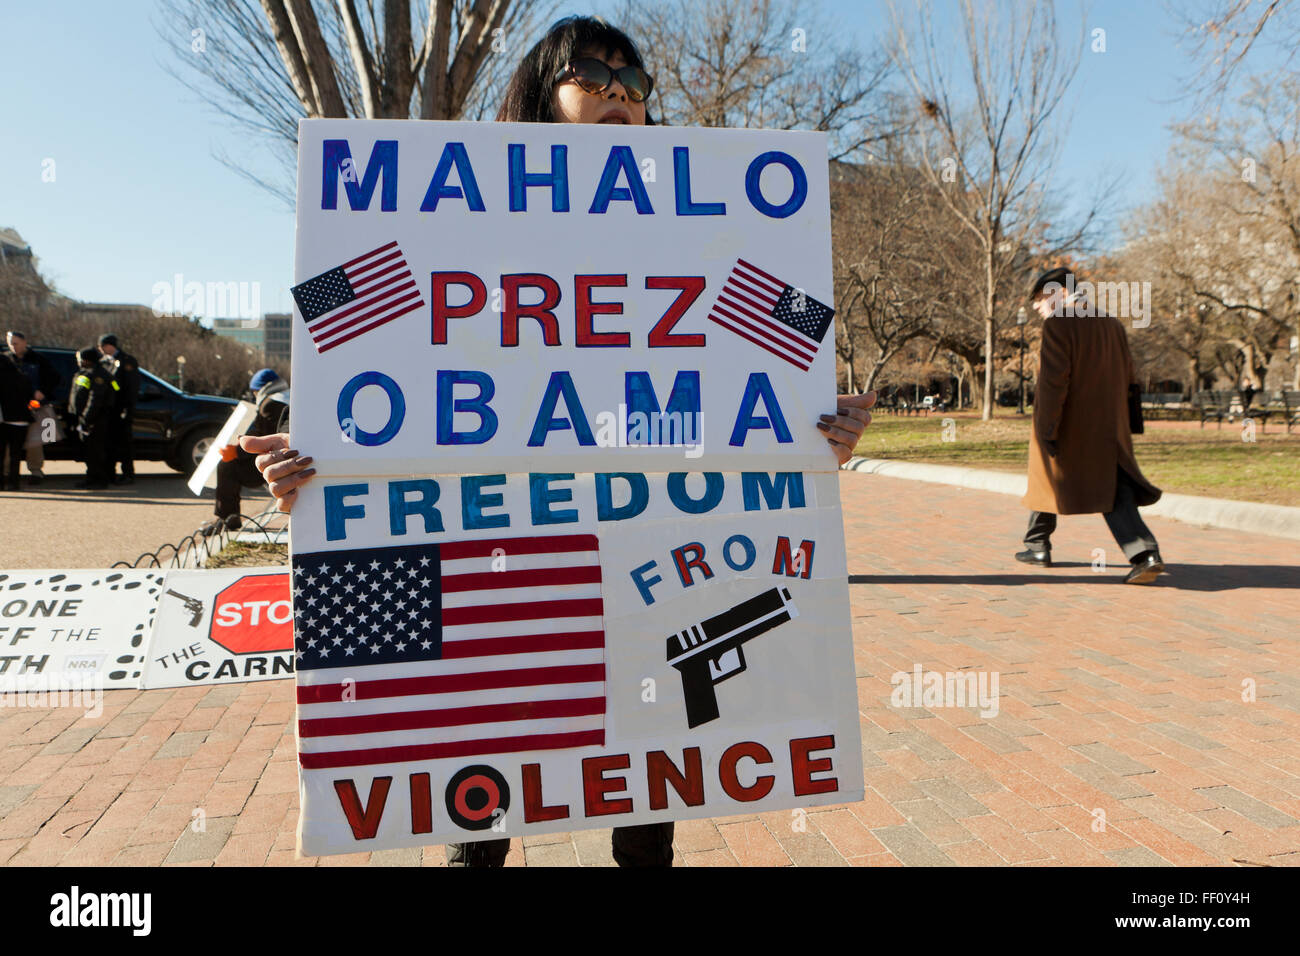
[
  {"x": 707, "y": 653},
  {"x": 193, "y": 605}
]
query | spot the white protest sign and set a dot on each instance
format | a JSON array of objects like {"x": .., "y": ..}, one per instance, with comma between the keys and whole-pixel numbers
[
  {"x": 523, "y": 601},
  {"x": 88, "y": 625},
  {"x": 484, "y": 293},
  {"x": 205, "y": 475},
  {"x": 224, "y": 625},
  {"x": 561, "y": 652}
]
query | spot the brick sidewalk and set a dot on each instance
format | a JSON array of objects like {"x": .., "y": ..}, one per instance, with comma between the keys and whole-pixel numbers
[{"x": 1122, "y": 735}]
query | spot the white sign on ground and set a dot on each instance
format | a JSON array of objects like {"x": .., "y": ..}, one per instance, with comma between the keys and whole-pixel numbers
[
  {"x": 219, "y": 626},
  {"x": 575, "y": 558},
  {"x": 90, "y": 626}
]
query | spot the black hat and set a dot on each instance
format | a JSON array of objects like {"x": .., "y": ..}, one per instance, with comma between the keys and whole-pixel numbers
[
  {"x": 108, "y": 338},
  {"x": 1057, "y": 275},
  {"x": 89, "y": 355}
]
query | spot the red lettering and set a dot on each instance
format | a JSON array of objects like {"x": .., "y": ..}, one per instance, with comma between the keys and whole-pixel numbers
[
  {"x": 442, "y": 311},
  {"x": 802, "y": 769},
  {"x": 731, "y": 782},
  {"x": 535, "y": 808},
  {"x": 364, "y": 823},
  {"x": 421, "y": 804},
  {"x": 689, "y": 786},
  {"x": 685, "y": 564},
  {"x": 595, "y": 786},
  {"x": 662, "y": 336},
  {"x": 784, "y": 562},
  {"x": 511, "y": 310},
  {"x": 585, "y": 309}
]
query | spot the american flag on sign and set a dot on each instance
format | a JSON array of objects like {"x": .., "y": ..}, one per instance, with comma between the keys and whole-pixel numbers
[
  {"x": 362, "y": 294},
  {"x": 773, "y": 315},
  {"x": 424, "y": 651}
]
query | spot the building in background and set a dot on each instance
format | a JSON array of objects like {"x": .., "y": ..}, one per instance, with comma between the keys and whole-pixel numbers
[
  {"x": 277, "y": 330},
  {"x": 250, "y": 332}
]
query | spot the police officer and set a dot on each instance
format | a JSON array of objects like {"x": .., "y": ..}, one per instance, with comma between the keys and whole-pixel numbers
[
  {"x": 92, "y": 405},
  {"x": 238, "y": 468},
  {"x": 126, "y": 373}
]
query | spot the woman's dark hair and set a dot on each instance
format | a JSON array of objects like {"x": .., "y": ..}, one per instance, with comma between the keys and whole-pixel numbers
[{"x": 528, "y": 95}]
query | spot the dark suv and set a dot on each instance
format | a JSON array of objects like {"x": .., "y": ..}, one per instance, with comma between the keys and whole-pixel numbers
[{"x": 170, "y": 425}]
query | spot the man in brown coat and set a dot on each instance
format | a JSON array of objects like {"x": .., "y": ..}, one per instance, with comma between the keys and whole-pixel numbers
[{"x": 1080, "y": 449}]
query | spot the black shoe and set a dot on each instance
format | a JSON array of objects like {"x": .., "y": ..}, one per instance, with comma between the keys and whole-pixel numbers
[
  {"x": 35, "y": 479},
  {"x": 124, "y": 480},
  {"x": 1146, "y": 569},
  {"x": 1042, "y": 559},
  {"x": 91, "y": 485}
]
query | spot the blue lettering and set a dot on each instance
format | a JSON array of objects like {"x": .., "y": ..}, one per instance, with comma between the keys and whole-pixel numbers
[
  {"x": 621, "y": 160},
  {"x": 755, "y": 193},
  {"x": 383, "y": 159},
  {"x": 713, "y": 488},
  {"x": 682, "y": 184},
  {"x": 561, "y": 383},
  {"x": 337, "y": 511},
  {"x": 784, "y": 484},
  {"x": 746, "y": 544},
  {"x": 758, "y": 387},
  {"x": 557, "y": 178},
  {"x": 448, "y": 405},
  {"x": 541, "y": 496},
  {"x": 399, "y": 507},
  {"x": 643, "y": 583},
  {"x": 473, "y": 501},
  {"x": 453, "y": 154},
  {"x": 396, "y": 408},
  {"x": 639, "y": 496}
]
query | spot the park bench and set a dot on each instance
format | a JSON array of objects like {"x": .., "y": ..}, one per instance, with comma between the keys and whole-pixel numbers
[
  {"x": 1213, "y": 406},
  {"x": 1286, "y": 406}
]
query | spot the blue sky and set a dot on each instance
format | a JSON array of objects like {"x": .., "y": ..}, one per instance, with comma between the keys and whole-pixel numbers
[{"x": 138, "y": 196}]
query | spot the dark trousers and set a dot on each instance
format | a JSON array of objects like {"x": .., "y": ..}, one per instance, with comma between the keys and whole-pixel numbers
[
  {"x": 12, "y": 440},
  {"x": 232, "y": 477},
  {"x": 1130, "y": 531},
  {"x": 647, "y": 845},
  {"x": 120, "y": 443},
  {"x": 94, "y": 452}
]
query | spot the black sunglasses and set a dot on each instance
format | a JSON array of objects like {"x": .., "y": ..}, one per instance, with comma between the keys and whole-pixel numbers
[{"x": 595, "y": 76}]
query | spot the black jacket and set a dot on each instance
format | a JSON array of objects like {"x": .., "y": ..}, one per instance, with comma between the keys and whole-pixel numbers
[
  {"x": 126, "y": 373},
  {"x": 40, "y": 372},
  {"x": 91, "y": 398},
  {"x": 15, "y": 390}
]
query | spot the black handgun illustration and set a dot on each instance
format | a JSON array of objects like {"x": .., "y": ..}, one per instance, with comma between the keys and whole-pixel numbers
[
  {"x": 708, "y": 653},
  {"x": 193, "y": 605}
]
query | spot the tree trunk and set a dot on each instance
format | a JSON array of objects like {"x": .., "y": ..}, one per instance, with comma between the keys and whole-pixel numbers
[{"x": 990, "y": 290}]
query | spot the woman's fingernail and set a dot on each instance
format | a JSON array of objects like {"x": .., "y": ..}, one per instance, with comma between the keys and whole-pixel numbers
[
  {"x": 840, "y": 411},
  {"x": 303, "y": 461},
  {"x": 308, "y": 473},
  {"x": 828, "y": 418},
  {"x": 823, "y": 426}
]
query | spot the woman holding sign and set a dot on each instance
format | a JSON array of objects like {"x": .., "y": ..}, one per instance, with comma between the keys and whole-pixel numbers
[{"x": 582, "y": 71}]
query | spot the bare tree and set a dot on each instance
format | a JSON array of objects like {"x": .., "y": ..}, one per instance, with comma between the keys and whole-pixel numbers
[
  {"x": 1224, "y": 32},
  {"x": 1251, "y": 165},
  {"x": 990, "y": 158},
  {"x": 268, "y": 63},
  {"x": 768, "y": 64},
  {"x": 891, "y": 288}
]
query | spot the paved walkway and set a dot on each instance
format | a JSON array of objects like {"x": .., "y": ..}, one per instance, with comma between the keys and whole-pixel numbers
[
  {"x": 1136, "y": 725},
  {"x": 54, "y": 525}
]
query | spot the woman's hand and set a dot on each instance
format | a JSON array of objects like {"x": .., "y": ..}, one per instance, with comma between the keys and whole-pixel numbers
[
  {"x": 845, "y": 427},
  {"x": 283, "y": 470}
]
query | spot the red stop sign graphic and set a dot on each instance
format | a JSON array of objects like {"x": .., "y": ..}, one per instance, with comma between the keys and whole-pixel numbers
[{"x": 254, "y": 615}]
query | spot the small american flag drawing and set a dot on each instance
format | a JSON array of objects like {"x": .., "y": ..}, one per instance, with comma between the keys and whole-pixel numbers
[
  {"x": 362, "y": 294},
  {"x": 422, "y": 652},
  {"x": 772, "y": 314}
]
